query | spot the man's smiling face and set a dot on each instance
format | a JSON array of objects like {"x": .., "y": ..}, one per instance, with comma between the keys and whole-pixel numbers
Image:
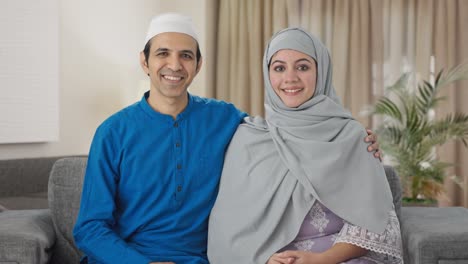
[{"x": 172, "y": 64}]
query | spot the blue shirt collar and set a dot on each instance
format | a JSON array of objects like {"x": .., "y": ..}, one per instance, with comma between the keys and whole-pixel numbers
[{"x": 155, "y": 114}]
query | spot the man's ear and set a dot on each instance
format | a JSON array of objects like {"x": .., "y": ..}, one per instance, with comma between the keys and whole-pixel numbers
[
  {"x": 143, "y": 63},
  {"x": 200, "y": 62}
]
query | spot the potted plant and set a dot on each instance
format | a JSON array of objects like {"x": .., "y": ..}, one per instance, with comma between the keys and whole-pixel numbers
[{"x": 410, "y": 132}]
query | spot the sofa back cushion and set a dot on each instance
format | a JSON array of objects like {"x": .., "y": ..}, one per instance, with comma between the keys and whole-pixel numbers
[
  {"x": 65, "y": 185},
  {"x": 395, "y": 187},
  {"x": 25, "y": 176}
]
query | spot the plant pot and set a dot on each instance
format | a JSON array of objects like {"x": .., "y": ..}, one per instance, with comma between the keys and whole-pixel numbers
[{"x": 419, "y": 202}]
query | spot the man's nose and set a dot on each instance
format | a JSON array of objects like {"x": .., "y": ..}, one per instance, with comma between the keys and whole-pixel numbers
[{"x": 174, "y": 63}]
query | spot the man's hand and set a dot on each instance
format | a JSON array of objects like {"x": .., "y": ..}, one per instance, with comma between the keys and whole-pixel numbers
[{"x": 374, "y": 146}]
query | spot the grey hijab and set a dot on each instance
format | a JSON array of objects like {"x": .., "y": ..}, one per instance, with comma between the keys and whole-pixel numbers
[{"x": 275, "y": 169}]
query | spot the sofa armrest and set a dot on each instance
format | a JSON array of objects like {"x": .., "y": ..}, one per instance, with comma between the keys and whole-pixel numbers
[
  {"x": 26, "y": 236},
  {"x": 65, "y": 186},
  {"x": 433, "y": 235}
]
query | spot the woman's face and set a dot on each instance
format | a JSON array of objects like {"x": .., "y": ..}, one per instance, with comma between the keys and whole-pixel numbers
[{"x": 293, "y": 76}]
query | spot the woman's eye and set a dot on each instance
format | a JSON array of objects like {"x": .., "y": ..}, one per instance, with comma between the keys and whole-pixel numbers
[
  {"x": 303, "y": 67},
  {"x": 278, "y": 68}
]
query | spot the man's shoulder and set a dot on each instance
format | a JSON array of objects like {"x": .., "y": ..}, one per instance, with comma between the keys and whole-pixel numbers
[
  {"x": 215, "y": 104},
  {"x": 120, "y": 117},
  {"x": 199, "y": 100}
]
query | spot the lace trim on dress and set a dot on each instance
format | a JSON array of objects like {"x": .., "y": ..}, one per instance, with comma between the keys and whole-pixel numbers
[
  {"x": 319, "y": 218},
  {"x": 385, "y": 247}
]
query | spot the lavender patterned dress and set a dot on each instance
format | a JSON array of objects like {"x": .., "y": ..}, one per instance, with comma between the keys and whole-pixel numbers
[{"x": 322, "y": 228}]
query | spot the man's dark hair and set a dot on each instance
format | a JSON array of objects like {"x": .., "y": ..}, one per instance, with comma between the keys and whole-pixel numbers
[{"x": 147, "y": 49}]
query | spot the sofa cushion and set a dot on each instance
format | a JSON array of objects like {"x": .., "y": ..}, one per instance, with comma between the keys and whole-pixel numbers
[
  {"x": 27, "y": 201},
  {"x": 434, "y": 235},
  {"x": 65, "y": 185},
  {"x": 27, "y": 236}
]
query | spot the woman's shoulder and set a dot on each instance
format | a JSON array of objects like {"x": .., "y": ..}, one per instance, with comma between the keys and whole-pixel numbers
[
  {"x": 254, "y": 123},
  {"x": 250, "y": 130}
]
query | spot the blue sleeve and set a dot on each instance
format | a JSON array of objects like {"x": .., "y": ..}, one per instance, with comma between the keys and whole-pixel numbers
[
  {"x": 239, "y": 113},
  {"x": 93, "y": 230}
]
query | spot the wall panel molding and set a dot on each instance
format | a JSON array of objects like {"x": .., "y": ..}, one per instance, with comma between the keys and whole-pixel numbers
[{"x": 29, "y": 71}]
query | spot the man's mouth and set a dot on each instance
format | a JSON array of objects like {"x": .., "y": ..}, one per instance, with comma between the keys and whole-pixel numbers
[{"x": 172, "y": 78}]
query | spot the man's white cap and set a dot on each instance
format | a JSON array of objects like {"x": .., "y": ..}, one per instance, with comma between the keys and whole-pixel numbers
[{"x": 171, "y": 22}]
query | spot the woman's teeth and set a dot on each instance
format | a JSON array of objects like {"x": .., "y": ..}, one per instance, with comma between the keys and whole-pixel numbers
[{"x": 291, "y": 90}]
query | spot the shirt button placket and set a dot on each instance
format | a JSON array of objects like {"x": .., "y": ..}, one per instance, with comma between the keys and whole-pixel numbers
[{"x": 178, "y": 161}]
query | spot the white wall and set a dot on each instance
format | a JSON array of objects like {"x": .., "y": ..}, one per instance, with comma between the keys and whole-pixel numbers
[{"x": 99, "y": 69}]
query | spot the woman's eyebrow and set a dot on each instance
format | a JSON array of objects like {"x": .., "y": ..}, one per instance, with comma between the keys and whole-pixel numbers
[
  {"x": 279, "y": 61},
  {"x": 299, "y": 60},
  {"x": 303, "y": 59}
]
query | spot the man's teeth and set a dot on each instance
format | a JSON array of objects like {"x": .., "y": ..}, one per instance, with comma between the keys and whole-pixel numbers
[{"x": 172, "y": 78}]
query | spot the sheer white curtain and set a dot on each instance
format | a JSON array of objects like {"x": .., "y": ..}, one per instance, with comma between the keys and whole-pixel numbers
[
  {"x": 416, "y": 32},
  {"x": 450, "y": 35}
]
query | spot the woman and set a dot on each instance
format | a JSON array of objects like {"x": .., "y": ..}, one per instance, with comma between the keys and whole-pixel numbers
[{"x": 299, "y": 187}]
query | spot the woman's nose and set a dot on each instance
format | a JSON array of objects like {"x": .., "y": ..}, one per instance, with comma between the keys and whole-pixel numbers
[{"x": 290, "y": 76}]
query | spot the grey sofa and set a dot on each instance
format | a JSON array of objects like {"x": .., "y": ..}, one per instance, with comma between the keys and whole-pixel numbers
[
  {"x": 33, "y": 236},
  {"x": 430, "y": 235}
]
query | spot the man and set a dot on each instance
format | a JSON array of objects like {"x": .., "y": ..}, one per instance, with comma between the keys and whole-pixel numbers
[{"x": 154, "y": 167}]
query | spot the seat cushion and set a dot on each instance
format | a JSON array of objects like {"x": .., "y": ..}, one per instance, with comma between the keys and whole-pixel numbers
[
  {"x": 26, "y": 236},
  {"x": 433, "y": 235},
  {"x": 26, "y": 201}
]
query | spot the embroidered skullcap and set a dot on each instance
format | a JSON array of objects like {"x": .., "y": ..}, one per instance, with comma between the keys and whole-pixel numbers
[{"x": 171, "y": 22}]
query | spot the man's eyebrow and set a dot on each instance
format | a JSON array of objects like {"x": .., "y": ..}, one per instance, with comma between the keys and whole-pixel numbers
[
  {"x": 161, "y": 49},
  {"x": 167, "y": 50}
]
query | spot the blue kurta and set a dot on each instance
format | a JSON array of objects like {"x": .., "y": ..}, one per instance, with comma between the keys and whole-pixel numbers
[{"x": 151, "y": 182}]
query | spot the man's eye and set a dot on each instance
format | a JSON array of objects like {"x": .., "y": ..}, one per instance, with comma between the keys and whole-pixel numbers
[
  {"x": 162, "y": 54},
  {"x": 187, "y": 56}
]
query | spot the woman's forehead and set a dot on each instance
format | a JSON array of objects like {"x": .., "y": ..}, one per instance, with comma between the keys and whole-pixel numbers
[{"x": 287, "y": 55}]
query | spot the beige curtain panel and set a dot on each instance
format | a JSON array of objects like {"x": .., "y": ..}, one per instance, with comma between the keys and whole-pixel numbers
[{"x": 244, "y": 28}]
